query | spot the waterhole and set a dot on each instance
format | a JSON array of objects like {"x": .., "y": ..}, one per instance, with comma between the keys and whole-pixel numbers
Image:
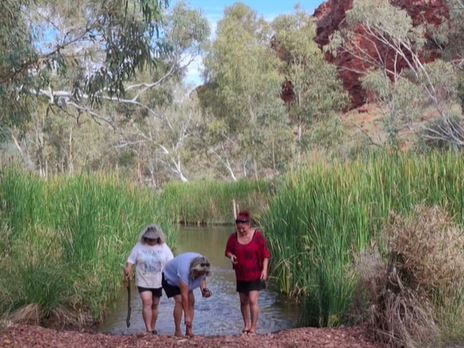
[{"x": 218, "y": 315}]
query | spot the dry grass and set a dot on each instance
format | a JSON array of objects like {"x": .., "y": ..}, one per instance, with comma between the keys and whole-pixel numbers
[
  {"x": 427, "y": 249},
  {"x": 29, "y": 314},
  {"x": 58, "y": 318},
  {"x": 408, "y": 289},
  {"x": 394, "y": 314}
]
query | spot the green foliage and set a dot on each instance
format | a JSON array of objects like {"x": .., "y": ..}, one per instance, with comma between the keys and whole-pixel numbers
[
  {"x": 243, "y": 90},
  {"x": 243, "y": 69},
  {"x": 383, "y": 17},
  {"x": 323, "y": 214},
  {"x": 460, "y": 88},
  {"x": 186, "y": 29},
  {"x": 453, "y": 47},
  {"x": 385, "y": 39},
  {"x": 114, "y": 39},
  {"x": 65, "y": 240},
  {"x": 327, "y": 134},
  {"x": 68, "y": 135},
  {"x": 209, "y": 202},
  {"x": 15, "y": 49},
  {"x": 402, "y": 100},
  {"x": 316, "y": 88}
]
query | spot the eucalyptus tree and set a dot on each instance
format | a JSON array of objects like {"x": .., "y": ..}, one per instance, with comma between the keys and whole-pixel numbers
[
  {"x": 85, "y": 131},
  {"x": 162, "y": 120},
  {"x": 91, "y": 46},
  {"x": 316, "y": 89},
  {"x": 75, "y": 53},
  {"x": 385, "y": 38},
  {"x": 249, "y": 134},
  {"x": 450, "y": 37},
  {"x": 15, "y": 51}
]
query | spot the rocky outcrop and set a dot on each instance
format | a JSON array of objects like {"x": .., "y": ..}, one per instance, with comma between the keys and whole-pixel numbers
[{"x": 330, "y": 16}]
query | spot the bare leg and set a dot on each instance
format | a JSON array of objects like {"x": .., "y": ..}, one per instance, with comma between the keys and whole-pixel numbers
[
  {"x": 245, "y": 309},
  {"x": 178, "y": 310},
  {"x": 154, "y": 311},
  {"x": 147, "y": 302},
  {"x": 189, "y": 331},
  {"x": 254, "y": 309}
]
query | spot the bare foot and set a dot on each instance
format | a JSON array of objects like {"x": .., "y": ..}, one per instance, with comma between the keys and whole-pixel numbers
[
  {"x": 189, "y": 332},
  {"x": 178, "y": 333}
]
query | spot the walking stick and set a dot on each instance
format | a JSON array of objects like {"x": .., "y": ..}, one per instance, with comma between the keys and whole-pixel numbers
[{"x": 128, "y": 302}]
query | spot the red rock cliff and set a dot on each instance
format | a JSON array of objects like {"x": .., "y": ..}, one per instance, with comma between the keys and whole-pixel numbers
[{"x": 330, "y": 17}]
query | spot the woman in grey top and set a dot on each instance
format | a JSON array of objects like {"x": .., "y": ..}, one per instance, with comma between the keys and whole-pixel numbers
[{"x": 181, "y": 276}]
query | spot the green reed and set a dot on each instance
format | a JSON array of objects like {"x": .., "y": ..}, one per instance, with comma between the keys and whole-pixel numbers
[
  {"x": 210, "y": 202},
  {"x": 65, "y": 240},
  {"x": 322, "y": 216}
]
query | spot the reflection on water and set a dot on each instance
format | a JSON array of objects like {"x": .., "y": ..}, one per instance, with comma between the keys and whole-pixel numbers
[{"x": 217, "y": 315}]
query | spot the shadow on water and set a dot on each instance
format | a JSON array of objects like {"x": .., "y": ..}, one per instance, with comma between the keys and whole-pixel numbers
[{"x": 215, "y": 316}]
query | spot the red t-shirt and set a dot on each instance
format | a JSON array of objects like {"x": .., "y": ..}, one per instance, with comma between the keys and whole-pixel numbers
[{"x": 249, "y": 256}]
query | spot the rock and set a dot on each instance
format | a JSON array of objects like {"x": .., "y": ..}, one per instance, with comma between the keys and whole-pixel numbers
[{"x": 330, "y": 17}]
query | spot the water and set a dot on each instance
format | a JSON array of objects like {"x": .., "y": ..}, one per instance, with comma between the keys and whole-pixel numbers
[{"x": 218, "y": 315}]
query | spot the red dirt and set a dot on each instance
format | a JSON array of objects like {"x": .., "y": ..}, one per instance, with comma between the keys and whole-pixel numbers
[{"x": 35, "y": 336}]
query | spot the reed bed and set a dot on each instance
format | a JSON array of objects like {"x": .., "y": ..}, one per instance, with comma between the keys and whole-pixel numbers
[
  {"x": 65, "y": 240},
  {"x": 210, "y": 202},
  {"x": 323, "y": 216}
]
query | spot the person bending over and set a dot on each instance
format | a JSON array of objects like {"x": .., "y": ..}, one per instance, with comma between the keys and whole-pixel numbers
[{"x": 183, "y": 274}]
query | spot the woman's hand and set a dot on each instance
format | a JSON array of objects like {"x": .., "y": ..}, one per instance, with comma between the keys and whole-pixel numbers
[
  {"x": 264, "y": 274},
  {"x": 233, "y": 258},
  {"x": 205, "y": 292},
  {"x": 128, "y": 272}
]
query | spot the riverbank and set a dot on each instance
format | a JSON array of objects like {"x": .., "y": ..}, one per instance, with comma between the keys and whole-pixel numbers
[{"x": 19, "y": 336}]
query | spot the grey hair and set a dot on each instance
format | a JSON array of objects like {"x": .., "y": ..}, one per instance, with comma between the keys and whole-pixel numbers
[
  {"x": 199, "y": 264},
  {"x": 155, "y": 228}
]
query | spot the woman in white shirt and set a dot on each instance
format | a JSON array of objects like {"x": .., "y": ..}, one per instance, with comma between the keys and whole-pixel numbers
[{"x": 149, "y": 256}]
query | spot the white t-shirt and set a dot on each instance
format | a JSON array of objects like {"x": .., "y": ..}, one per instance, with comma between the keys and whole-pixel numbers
[{"x": 149, "y": 261}]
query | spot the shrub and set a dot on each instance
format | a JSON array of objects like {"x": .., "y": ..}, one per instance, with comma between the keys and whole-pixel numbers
[{"x": 417, "y": 281}]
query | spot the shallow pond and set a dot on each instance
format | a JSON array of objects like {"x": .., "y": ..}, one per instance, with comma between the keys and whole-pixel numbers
[{"x": 217, "y": 315}]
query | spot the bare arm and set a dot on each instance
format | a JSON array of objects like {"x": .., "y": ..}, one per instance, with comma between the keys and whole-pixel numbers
[
  {"x": 205, "y": 292},
  {"x": 128, "y": 270},
  {"x": 232, "y": 257},
  {"x": 265, "y": 268}
]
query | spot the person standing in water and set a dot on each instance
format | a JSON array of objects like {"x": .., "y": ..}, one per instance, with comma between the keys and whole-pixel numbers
[
  {"x": 149, "y": 256},
  {"x": 246, "y": 248},
  {"x": 183, "y": 274}
]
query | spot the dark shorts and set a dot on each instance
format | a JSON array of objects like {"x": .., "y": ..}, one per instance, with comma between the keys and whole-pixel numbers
[
  {"x": 158, "y": 292},
  {"x": 170, "y": 290},
  {"x": 246, "y": 287}
]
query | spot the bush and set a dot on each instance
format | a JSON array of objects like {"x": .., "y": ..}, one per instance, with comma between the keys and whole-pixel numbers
[{"x": 413, "y": 290}]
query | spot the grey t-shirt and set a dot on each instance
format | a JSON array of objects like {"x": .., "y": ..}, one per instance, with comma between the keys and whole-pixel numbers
[{"x": 178, "y": 269}]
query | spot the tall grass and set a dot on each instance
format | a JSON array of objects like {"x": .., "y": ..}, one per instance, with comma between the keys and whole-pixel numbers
[
  {"x": 210, "y": 202},
  {"x": 65, "y": 240},
  {"x": 322, "y": 216}
]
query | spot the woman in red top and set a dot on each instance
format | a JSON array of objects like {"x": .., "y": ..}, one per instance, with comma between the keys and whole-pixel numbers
[{"x": 249, "y": 255}]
